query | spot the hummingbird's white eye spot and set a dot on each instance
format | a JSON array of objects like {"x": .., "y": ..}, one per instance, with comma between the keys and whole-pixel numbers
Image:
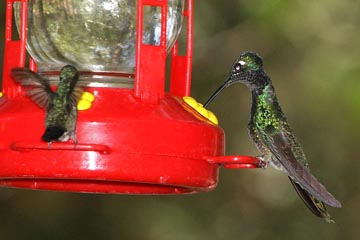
[{"x": 242, "y": 63}]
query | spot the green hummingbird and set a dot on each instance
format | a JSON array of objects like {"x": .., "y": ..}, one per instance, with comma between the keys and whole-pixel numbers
[
  {"x": 60, "y": 105},
  {"x": 274, "y": 137}
]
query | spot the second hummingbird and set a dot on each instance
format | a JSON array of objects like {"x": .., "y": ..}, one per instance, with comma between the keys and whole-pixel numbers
[
  {"x": 60, "y": 105},
  {"x": 273, "y": 136}
]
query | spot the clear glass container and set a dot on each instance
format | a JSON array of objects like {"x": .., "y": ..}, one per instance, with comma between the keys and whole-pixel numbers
[{"x": 94, "y": 35}]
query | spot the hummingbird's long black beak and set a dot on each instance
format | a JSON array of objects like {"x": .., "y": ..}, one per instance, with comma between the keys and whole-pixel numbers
[{"x": 214, "y": 95}]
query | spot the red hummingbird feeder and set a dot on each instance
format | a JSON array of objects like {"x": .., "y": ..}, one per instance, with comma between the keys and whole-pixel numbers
[{"x": 135, "y": 138}]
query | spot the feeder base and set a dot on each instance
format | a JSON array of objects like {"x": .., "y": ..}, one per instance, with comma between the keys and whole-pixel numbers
[{"x": 124, "y": 147}]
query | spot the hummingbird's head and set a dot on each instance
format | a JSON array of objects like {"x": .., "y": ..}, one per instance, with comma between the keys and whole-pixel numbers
[
  {"x": 247, "y": 61},
  {"x": 248, "y": 69},
  {"x": 68, "y": 73}
]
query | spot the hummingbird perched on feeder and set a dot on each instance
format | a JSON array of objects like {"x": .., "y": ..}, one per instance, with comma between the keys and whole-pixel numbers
[
  {"x": 60, "y": 105},
  {"x": 274, "y": 137}
]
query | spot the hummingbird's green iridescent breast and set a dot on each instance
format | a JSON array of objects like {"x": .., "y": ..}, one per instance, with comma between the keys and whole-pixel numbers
[
  {"x": 267, "y": 113},
  {"x": 269, "y": 119}
]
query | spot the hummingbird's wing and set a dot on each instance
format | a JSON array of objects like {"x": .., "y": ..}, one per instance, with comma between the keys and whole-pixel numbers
[
  {"x": 36, "y": 87},
  {"x": 75, "y": 96},
  {"x": 281, "y": 146}
]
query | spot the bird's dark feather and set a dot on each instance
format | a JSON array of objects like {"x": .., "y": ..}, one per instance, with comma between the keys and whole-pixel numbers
[
  {"x": 36, "y": 87},
  {"x": 315, "y": 206},
  {"x": 280, "y": 146},
  {"x": 53, "y": 133}
]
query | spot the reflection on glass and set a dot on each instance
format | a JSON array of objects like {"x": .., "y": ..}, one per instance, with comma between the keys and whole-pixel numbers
[{"x": 93, "y": 35}]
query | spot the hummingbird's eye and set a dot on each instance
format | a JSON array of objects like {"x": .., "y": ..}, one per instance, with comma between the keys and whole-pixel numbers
[{"x": 237, "y": 67}]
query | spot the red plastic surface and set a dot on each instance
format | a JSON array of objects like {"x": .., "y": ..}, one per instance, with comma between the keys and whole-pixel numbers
[
  {"x": 181, "y": 66},
  {"x": 131, "y": 141},
  {"x": 150, "y": 59},
  {"x": 164, "y": 144},
  {"x": 14, "y": 50}
]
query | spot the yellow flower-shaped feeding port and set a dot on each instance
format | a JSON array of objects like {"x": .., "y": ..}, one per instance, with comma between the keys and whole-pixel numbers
[
  {"x": 85, "y": 101},
  {"x": 200, "y": 109},
  {"x": 1, "y": 94}
]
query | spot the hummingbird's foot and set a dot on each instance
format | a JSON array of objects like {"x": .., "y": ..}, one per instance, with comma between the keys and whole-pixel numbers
[
  {"x": 49, "y": 145},
  {"x": 262, "y": 163},
  {"x": 75, "y": 143},
  {"x": 73, "y": 138}
]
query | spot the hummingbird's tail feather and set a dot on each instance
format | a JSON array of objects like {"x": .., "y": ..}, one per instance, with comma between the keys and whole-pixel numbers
[
  {"x": 282, "y": 147},
  {"x": 53, "y": 133},
  {"x": 314, "y": 205}
]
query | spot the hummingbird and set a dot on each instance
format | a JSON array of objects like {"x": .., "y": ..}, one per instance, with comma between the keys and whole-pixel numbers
[
  {"x": 273, "y": 136},
  {"x": 60, "y": 105}
]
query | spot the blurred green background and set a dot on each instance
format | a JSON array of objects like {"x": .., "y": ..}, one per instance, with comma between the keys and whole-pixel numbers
[{"x": 311, "y": 51}]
